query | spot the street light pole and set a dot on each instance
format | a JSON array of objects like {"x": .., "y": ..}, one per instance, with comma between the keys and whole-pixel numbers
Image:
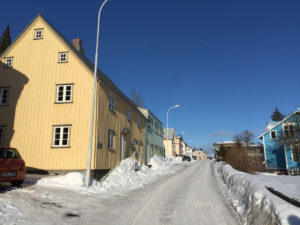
[
  {"x": 175, "y": 106},
  {"x": 88, "y": 169}
]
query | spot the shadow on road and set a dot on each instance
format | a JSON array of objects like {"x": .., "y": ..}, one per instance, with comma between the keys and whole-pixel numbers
[{"x": 294, "y": 220}]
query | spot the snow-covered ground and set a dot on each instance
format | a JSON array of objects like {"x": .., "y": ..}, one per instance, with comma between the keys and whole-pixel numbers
[
  {"x": 253, "y": 202},
  {"x": 62, "y": 199}
]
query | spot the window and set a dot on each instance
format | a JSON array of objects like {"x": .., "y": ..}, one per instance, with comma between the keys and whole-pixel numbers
[
  {"x": 64, "y": 93},
  {"x": 110, "y": 143},
  {"x": 111, "y": 103},
  {"x": 138, "y": 122},
  {"x": 3, "y": 96},
  {"x": 296, "y": 153},
  {"x": 289, "y": 130},
  {"x": 134, "y": 144},
  {"x": 61, "y": 136},
  {"x": 1, "y": 134},
  {"x": 128, "y": 114},
  {"x": 38, "y": 34},
  {"x": 63, "y": 57},
  {"x": 8, "y": 62},
  {"x": 273, "y": 134}
]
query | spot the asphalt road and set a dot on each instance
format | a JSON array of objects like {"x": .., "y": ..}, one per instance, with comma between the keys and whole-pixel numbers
[{"x": 192, "y": 197}]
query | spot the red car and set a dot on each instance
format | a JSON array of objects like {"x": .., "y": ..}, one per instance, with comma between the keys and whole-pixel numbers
[{"x": 12, "y": 166}]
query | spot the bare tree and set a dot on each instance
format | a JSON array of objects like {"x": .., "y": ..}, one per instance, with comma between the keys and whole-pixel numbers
[
  {"x": 137, "y": 98},
  {"x": 244, "y": 137}
]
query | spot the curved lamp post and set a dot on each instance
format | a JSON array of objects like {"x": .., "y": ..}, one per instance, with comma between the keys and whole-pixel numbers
[
  {"x": 173, "y": 107},
  {"x": 88, "y": 170}
]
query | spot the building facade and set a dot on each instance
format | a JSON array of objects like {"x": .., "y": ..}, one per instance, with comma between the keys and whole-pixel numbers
[
  {"x": 179, "y": 146},
  {"x": 169, "y": 141},
  {"x": 46, "y": 88},
  {"x": 154, "y": 135},
  {"x": 282, "y": 145}
]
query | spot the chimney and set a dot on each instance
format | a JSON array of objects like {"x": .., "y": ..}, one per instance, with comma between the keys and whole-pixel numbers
[{"x": 77, "y": 43}]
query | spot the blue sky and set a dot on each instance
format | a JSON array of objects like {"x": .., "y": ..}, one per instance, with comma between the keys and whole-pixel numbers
[{"x": 227, "y": 63}]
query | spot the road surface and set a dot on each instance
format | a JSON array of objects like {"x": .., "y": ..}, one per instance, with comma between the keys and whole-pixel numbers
[{"x": 191, "y": 196}]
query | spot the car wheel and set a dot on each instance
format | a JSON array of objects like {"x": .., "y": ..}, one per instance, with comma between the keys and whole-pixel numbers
[{"x": 16, "y": 183}]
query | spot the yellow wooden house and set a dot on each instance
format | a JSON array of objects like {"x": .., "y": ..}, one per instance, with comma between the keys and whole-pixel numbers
[{"x": 45, "y": 105}]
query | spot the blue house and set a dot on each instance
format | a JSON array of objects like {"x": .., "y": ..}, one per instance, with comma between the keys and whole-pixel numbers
[{"x": 282, "y": 144}]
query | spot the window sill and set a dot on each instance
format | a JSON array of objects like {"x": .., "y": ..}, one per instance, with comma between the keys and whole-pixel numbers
[
  {"x": 63, "y": 102},
  {"x": 4, "y": 105},
  {"x": 60, "y": 147},
  {"x": 62, "y": 62}
]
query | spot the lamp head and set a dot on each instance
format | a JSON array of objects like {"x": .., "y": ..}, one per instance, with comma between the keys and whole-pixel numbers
[{"x": 176, "y": 106}]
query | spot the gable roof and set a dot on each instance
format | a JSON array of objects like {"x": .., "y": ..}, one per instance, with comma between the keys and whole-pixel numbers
[
  {"x": 296, "y": 112},
  {"x": 171, "y": 132},
  {"x": 100, "y": 75}
]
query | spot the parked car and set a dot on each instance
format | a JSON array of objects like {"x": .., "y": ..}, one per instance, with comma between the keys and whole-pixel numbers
[
  {"x": 12, "y": 166},
  {"x": 186, "y": 158}
]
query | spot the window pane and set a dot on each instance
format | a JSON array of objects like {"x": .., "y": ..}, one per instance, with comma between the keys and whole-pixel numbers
[
  {"x": 69, "y": 88},
  {"x": 56, "y": 142},
  {"x": 65, "y": 142},
  {"x": 66, "y": 129},
  {"x": 57, "y": 130}
]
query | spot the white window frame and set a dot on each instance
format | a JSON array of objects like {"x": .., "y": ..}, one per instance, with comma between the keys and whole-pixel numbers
[
  {"x": 292, "y": 152},
  {"x": 138, "y": 122},
  {"x": 64, "y": 93},
  {"x": 110, "y": 141},
  {"x": 111, "y": 103},
  {"x": 63, "y": 57},
  {"x": 1, "y": 96},
  {"x": 9, "y": 62},
  {"x": 271, "y": 134},
  {"x": 38, "y": 34},
  {"x": 128, "y": 114},
  {"x": 61, "y": 136},
  {"x": 2, "y": 129},
  {"x": 288, "y": 124}
]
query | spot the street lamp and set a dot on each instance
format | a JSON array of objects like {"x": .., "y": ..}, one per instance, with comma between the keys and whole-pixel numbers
[
  {"x": 173, "y": 107},
  {"x": 88, "y": 169}
]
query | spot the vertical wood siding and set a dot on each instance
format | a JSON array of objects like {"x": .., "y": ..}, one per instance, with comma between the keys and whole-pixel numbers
[{"x": 32, "y": 111}]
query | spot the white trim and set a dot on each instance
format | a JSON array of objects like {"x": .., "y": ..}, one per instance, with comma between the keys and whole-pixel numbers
[
  {"x": 288, "y": 124},
  {"x": 38, "y": 35},
  {"x": 63, "y": 55},
  {"x": 9, "y": 62},
  {"x": 111, "y": 104},
  {"x": 271, "y": 134},
  {"x": 264, "y": 144},
  {"x": 64, "y": 93},
  {"x": 61, "y": 139},
  {"x": 110, "y": 142},
  {"x": 278, "y": 124},
  {"x": 292, "y": 156}
]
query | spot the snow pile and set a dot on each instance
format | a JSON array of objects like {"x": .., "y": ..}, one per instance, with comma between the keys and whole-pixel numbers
[
  {"x": 73, "y": 179},
  {"x": 270, "y": 125},
  {"x": 253, "y": 202},
  {"x": 122, "y": 178}
]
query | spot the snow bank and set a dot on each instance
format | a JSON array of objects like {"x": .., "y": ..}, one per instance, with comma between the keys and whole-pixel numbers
[
  {"x": 121, "y": 178},
  {"x": 253, "y": 202}
]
